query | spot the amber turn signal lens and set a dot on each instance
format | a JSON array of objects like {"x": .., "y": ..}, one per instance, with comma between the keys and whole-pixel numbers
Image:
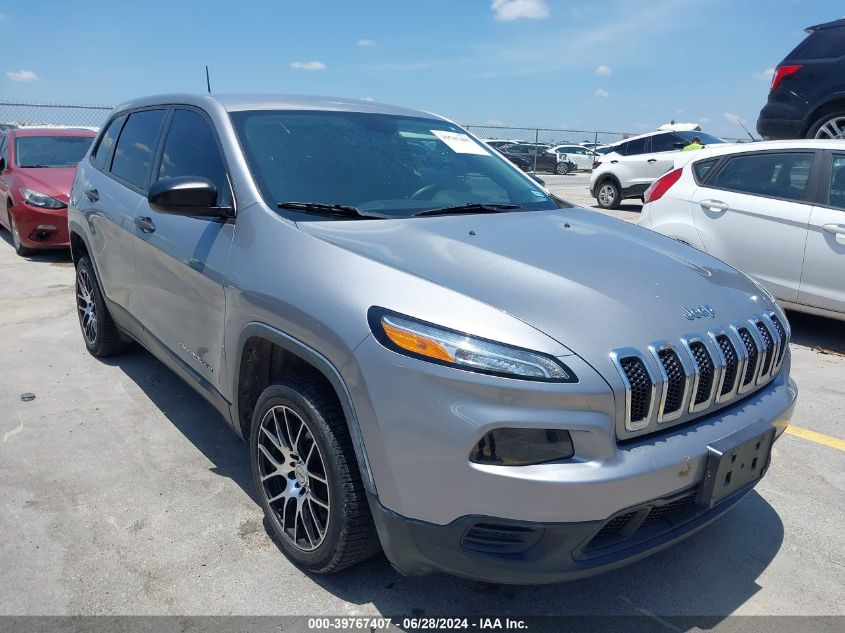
[{"x": 416, "y": 343}]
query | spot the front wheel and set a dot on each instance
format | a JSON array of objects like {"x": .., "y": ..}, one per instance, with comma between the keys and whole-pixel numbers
[
  {"x": 562, "y": 169},
  {"x": 20, "y": 249},
  {"x": 307, "y": 478},
  {"x": 608, "y": 195}
]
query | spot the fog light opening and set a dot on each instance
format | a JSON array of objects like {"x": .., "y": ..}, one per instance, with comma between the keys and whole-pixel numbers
[
  {"x": 522, "y": 447},
  {"x": 43, "y": 232}
]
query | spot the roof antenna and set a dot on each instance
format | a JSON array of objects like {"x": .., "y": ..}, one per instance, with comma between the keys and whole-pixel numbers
[
  {"x": 738, "y": 120},
  {"x": 207, "y": 80}
]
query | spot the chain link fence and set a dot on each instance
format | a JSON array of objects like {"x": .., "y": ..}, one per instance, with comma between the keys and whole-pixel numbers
[
  {"x": 534, "y": 141},
  {"x": 52, "y": 114}
]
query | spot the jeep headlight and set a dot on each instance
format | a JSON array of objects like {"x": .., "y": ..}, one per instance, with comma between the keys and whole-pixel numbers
[{"x": 443, "y": 346}]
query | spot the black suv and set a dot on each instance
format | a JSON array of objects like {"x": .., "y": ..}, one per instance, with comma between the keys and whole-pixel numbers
[{"x": 807, "y": 97}]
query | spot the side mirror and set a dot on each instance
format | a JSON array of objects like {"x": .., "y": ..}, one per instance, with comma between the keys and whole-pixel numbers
[
  {"x": 537, "y": 179},
  {"x": 186, "y": 195}
]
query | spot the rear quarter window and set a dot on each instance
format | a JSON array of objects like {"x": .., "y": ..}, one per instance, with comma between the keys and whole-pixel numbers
[
  {"x": 702, "y": 168},
  {"x": 823, "y": 44}
]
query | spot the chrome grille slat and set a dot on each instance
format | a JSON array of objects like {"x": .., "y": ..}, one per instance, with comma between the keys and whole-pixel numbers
[{"x": 705, "y": 371}]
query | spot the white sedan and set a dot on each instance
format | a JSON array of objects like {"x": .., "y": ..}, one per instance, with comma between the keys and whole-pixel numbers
[
  {"x": 775, "y": 210},
  {"x": 583, "y": 157}
]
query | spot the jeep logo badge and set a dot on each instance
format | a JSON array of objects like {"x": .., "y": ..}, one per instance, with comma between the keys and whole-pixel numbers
[{"x": 698, "y": 313}]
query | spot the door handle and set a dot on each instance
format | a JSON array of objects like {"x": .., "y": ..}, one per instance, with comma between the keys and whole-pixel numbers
[
  {"x": 837, "y": 229},
  {"x": 92, "y": 194},
  {"x": 145, "y": 224},
  {"x": 714, "y": 205},
  {"x": 652, "y": 160},
  {"x": 613, "y": 162}
]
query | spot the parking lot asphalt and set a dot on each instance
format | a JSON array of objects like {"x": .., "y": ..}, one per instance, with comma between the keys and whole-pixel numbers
[{"x": 123, "y": 492}]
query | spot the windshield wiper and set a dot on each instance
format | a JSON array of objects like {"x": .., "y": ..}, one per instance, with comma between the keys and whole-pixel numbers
[
  {"x": 337, "y": 210},
  {"x": 472, "y": 207}
]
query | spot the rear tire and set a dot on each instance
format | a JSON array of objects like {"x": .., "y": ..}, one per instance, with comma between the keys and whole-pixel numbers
[
  {"x": 20, "y": 249},
  {"x": 608, "y": 195},
  {"x": 830, "y": 124},
  {"x": 307, "y": 478},
  {"x": 101, "y": 336}
]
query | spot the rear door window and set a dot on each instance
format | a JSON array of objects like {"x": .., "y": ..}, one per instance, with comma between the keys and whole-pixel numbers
[
  {"x": 135, "y": 148},
  {"x": 638, "y": 146},
  {"x": 836, "y": 194},
  {"x": 191, "y": 149},
  {"x": 101, "y": 154},
  {"x": 774, "y": 174}
]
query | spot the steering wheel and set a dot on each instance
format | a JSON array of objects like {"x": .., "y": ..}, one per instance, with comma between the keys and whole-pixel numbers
[{"x": 421, "y": 193}]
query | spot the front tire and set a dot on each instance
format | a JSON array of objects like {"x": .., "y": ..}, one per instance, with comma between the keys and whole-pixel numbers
[
  {"x": 562, "y": 169},
  {"x": 20, "y": 249},
  {"x": 307, "y": 478},
  {"x": 99, "y": 331},
  {"x": 608, "y": 195}
]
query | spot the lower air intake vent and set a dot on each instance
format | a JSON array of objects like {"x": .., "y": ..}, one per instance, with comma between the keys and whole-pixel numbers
[
  {"x": 638, "y": 377},
  {"x": 493, "y": 538}
]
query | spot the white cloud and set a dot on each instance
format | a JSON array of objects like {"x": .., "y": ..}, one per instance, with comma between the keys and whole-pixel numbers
[
  {"x": 368, "y": 98},
  {"x": 495, "y": 122},
  {"x": 603, "y": 71},
  {"x": 366, "y": 42},
  {"x": 766, "y": 75},
  {"x": 509, "y": 10},
  {"x": 22, "y": 75},
  {"x": 308, "y": 65},
  {"x": 602, "y": 93},
  {"x": 704, "y": 119},
  {"x": 730, "y": 117}
]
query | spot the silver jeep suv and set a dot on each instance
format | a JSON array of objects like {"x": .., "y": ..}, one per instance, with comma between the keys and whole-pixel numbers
[{"x": 427, "y": 352}]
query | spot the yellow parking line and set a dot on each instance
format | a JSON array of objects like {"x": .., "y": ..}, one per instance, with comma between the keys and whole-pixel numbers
[{"x": 819, "y": 438}]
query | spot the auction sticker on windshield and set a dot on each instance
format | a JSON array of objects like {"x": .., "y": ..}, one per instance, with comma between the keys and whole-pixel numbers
[{"x": 460, "y": 143}]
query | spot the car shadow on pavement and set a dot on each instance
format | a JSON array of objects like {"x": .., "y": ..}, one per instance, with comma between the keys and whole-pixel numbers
[
  {"x": 703, "y": 579},
  {"x": 191, "y": 414},
  {"x": 821, "y": 334}
]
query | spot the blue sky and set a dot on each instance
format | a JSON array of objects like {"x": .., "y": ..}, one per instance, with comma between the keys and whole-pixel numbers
[{"x": 616, "y": 65}]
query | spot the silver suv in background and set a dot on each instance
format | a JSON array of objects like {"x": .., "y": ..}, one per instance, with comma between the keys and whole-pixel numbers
[{"x": 425, "y": 351}]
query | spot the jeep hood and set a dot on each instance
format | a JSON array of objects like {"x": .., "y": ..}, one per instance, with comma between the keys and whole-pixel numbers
[{"x": 589, "y": 281}]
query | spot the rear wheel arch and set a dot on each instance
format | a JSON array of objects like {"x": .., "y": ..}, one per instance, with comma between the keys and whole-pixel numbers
[
  {"x": 268, "y": 356},
  {"x": 836, "y": 104}
]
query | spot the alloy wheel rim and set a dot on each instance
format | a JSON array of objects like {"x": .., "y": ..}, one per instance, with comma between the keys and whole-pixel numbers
[
  {"x": 85, "y": 305},
  {"x": 833, "y": 128},
  {"x": 293, "y": 478},
  {"x": 606, "y": 194}
]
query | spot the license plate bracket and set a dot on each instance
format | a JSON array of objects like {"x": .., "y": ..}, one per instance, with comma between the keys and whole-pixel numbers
[{"x": 736, "y": 461}]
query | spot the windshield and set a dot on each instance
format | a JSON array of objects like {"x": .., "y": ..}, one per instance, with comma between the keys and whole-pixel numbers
[
  {"x": 395, "y": 166},
  {"x": 51, "y": 151}
]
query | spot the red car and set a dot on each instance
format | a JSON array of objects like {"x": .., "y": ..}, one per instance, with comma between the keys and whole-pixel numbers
[{"x": 37, "y": 166}]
